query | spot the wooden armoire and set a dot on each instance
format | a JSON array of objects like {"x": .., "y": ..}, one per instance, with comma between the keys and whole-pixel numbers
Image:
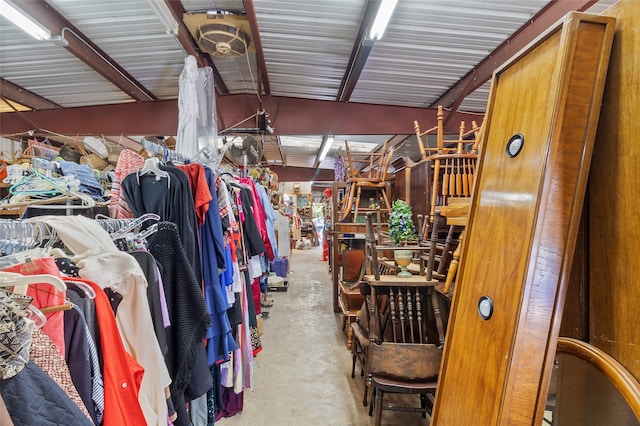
[{"x": 602, "y": 286}]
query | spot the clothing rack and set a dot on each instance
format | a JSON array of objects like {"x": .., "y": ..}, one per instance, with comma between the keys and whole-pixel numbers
[
  {"x": 17, "y": 235},
  {"x": 166, "y": 153},
  {"x": 119, "y": 227}
]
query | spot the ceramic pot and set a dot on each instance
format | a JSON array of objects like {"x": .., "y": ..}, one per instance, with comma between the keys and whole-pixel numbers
[{"x": 403, "y": 259}]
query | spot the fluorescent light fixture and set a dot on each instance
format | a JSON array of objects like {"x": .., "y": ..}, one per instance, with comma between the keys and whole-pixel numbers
[
  {"x": 326, "y": 148},
  {"x": 163, "y": 13},
  {"x": 24, "y": 22},
  {"x": 382, "y": 18}
]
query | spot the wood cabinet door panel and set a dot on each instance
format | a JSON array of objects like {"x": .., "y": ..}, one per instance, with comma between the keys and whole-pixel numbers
[{"x": 523, "y": 226}]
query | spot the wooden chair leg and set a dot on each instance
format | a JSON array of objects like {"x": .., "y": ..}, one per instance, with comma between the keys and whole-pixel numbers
[
  {"x": 354, "y": 350},
  {"x": 423, "y": 404},
  {"x": 358, "y": 195},
  {"x": 386, "y": 199},
  {"x": 365, "y": 400},
  {"x": 348, "y": 202},
  {"x": 378, "y": 418},
  {"x": 373, "y": 402}
]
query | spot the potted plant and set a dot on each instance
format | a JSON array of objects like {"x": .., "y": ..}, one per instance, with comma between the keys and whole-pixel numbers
[{"x": 401, "y": 230}]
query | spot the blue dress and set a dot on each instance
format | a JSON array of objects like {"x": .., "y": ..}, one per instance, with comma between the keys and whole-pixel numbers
[{"x": 220, "y": 341}]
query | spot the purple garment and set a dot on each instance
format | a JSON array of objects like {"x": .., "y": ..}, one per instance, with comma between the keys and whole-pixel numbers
[
  {"x": 232, "y": 403},
  {"x": 166, "y": 321}
]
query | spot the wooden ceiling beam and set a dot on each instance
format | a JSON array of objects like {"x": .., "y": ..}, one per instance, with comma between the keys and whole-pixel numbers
[{"x": 289, "y": 116}]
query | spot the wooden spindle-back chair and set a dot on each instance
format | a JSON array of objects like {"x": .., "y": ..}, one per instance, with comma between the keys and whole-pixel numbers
[{"x": 401, "y": 356}]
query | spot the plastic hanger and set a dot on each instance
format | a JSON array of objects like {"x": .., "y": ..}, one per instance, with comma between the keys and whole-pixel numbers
[
  {"x": 37, "y": 183},
  {"x": 84, "y": 288},
  {"x": 130, "y": 225},
  {"x": 35, "y": 315},
  {"x": 20, "y": 257},
  {"x": 12, "y": 279},
  {"x": 139, "y": 221},
  {"x": 152, "y": 165},
  {"x": 20, "y": 284},
  {"x": 147, "y": 232}
]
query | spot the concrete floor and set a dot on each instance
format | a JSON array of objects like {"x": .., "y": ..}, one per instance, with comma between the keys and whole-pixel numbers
[{"x": 303, "y": 374}]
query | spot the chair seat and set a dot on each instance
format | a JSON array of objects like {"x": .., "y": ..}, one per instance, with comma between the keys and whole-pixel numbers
[{"x": 390, "y": 384}]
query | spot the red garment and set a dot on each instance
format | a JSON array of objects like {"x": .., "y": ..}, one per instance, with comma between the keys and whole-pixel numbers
[
  {"x": 255, "y": 289},
  {"x": 199, "y": 189},
  {"x": 121, "y": 375},
  {"x": 45, "y": 295},
  {"x": 260, "y": 216},
  {"x": 128, "y": 162}
]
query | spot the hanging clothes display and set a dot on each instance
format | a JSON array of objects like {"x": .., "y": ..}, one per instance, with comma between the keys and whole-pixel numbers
[
  {"x": 187, "y": 135},
  {"x": 100, "y": 261},
  {"x": 158, "y": 322},
  {"x": 186, "y": 357},
  {"x": 45, "y": 355},
  {"x": 128, "y": 162},
  {"x": 260, "y": 216},
  {"x": 296, "y": 226},
  {"x": 283, "y": 229},
  {"x": 221, "y": 342},
  {"x": 197, "y": 118},
  {"x": 165, "y": 191}
]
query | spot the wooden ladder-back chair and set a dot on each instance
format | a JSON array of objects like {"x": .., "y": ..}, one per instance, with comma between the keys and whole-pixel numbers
[
  {"x": 360, "y": 328},
  {"x": 401, "y": 358},
  {"x": 376, "y": 266},
  {"x": 438, "y": 128},
  {"x": 453, "y": 161},
  {"x": 375, "y": 178}
]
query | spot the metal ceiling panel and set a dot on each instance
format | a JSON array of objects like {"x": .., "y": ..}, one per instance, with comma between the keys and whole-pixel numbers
[
  {"x": 128, "y": 31},
  {"x": 239, "y": 74},
  {"x": 300, "y": 151},
  {"x": 213, "y": 5},
  {"x": 307, "y": 44},
  {"x": 477, "y": 100},
  {"x": 430, "y": 44},
  {"x": 51, "y": 72},
  {"x": 131, "y": 33},
  {"x": 271, "y": 151}
]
